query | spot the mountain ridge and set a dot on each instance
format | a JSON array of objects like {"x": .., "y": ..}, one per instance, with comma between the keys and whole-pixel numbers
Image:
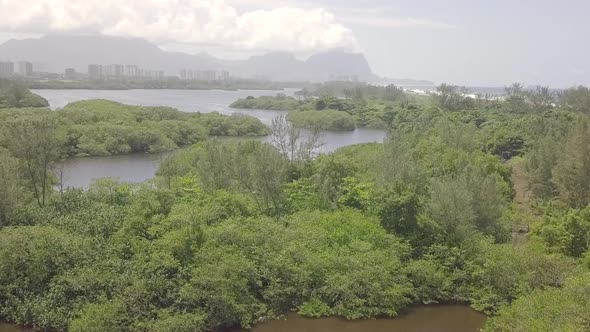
[{"x": 54, "y": 53}]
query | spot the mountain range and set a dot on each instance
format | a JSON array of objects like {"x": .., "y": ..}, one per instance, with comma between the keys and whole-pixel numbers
[{"x": 55, "y": 53}]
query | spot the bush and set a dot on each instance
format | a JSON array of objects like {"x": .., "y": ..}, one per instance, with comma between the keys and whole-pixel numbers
[
  {"x": 280, "y": 102},
  {"x": 327, "y": 120}
]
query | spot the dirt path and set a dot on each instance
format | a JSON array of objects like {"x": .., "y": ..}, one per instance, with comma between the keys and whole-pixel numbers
[{"x": 520, "y": 182}]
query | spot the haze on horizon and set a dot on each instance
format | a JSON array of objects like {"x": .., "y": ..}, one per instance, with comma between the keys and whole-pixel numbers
[{"x": 474, "y": 43}]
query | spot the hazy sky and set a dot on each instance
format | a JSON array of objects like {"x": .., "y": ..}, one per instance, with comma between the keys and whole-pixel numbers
[{"x": 470, "y": 42}]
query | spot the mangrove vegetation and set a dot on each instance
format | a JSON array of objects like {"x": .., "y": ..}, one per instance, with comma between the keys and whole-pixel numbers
[{"x": 479, "y": 201}]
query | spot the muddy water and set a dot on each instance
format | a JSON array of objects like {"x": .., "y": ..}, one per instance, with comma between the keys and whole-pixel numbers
[
  {"x": 4, "y": 327},
  {"x": 444, "y": 318}
]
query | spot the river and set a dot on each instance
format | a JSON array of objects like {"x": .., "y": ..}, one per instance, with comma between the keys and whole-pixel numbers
[
  {"x": 80, "y": 172},
  {"x": 434, "y": 318}
]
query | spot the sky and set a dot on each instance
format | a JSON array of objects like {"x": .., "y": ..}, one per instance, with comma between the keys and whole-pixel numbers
[{"x": 473, "y": 43}]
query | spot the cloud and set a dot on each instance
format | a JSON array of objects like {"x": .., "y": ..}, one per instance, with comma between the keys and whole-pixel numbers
[
  {"x": 395, "y": 22},
  {"x": 196, "y": 22}
]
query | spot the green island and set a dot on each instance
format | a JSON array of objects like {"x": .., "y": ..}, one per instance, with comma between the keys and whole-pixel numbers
[
  {"x": 338, "y": 105},
  {"x": 327, "y": 119},
  {"x": 479, "y": 201},
  {"x": 101, "y": 127}
]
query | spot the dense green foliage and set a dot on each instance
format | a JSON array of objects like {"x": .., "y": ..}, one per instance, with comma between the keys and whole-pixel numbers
[
  {"x": 564, "y": 309},
  {"x": 100, "y": 127},
  {"x": 353, "y": 90},
  {"x": 232, "y": 232},
  {"x": 365, "y": 111},
  {"x": 280, "y": 102},
  {"x": 327, "y": 119},
  {"x": 16, "y": 94}
]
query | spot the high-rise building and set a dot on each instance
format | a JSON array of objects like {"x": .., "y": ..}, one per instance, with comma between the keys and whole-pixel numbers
[
  {"x": 6, "y": 68},
  {"x": 113, "y": 70},
  {"x": 224, "y": 75},
  {"x": 131, "y": 71},
  {"x": 71, "y": 74},
  {"x": 25, "y": 69},
  {"x": 95, "y": 71},
  {"x": 204, "y": 75},
  {"x": 108, "y": 70}
]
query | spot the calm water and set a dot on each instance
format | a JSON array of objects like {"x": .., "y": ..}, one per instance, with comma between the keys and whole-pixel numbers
[
  {"x": 13, "y": 328},
  {"x": 204, "y": 101},
  {"x": 443, "y": 318},
  {"x": 134, "y": 168},
  {"x": 80, "y": 172}
]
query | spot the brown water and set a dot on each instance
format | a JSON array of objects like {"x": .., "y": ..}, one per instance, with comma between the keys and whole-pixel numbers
[
  {"x": 13, "y": 328},
  {"x": 443, "y": 318}
]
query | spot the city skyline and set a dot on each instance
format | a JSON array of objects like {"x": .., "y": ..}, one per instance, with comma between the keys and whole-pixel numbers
[{"x": 97, "y": 71}]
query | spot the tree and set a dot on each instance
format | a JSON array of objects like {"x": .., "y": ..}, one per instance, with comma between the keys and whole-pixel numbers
[
  {"x": 295, "y": 144},
  {"x": 452, "y": 97},
  {"x": 572, "y": 173},
  {"x": 399, "y": 212},
  {"x": 542, "y": 98},
  {"x": 250, "y": 167},
  {"x": 541, "y": 161},
  {"x": 16, "y": 94},
  {"x": 394, "y": 93},
  {"x": 260, "y": 169},
  {"x": 451, "y": 208},
  {"x": 11, "y": 193},
  {"x": 552, "y": 309},
  {"x": 576, "y": 99},
  {"x": 516, "y": 98},
  {"x": 35, "y": 142}
]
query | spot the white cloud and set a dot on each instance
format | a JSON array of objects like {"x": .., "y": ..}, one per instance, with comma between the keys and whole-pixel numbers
[
  {"x": 396, "y": 22},
  {"x": 356, "y": 13},
  {"x": 197, "y": 22}
]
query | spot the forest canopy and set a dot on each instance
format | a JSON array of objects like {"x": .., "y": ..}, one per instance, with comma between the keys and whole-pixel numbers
[{"x": 101, "y": 127}]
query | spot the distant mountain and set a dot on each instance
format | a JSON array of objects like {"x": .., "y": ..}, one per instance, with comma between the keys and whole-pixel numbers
[
  {"x": 54, "y": 53},
  {"x": 336, "y": 63},
  {"x": 280, "y": 66}
]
